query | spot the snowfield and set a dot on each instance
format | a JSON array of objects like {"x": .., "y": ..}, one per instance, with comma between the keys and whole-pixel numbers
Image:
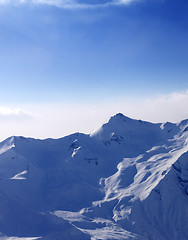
[{"x": 127, "y": 180}]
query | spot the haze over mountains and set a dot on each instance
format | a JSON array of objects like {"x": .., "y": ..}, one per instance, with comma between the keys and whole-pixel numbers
[{"x": 127, "y": 180}]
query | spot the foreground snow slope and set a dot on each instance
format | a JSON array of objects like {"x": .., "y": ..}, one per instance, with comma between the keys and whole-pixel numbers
[{"x": 127, "y": 180}]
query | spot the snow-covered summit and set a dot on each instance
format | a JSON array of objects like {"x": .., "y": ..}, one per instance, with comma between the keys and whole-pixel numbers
[{"x": 127, "y": 180}]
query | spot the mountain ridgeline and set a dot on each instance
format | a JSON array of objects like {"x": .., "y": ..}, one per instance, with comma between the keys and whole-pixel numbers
[{"x": 127, "y": 180}]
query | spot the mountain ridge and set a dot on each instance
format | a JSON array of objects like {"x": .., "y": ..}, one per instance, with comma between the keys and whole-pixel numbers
[{"x": 110, "y": 184}]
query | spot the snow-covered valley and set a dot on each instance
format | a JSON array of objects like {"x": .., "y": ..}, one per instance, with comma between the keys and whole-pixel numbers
[{"x": 127, "y": 180}]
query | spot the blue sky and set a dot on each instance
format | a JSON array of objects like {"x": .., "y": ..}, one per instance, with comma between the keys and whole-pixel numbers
[{"x": 90, "y": 51}]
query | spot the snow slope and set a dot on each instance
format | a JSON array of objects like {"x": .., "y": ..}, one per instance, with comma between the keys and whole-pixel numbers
[{"x": 127, "y": 180}]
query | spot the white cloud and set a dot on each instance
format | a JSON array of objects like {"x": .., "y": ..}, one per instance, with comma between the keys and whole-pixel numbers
[
  {"x": 170, "y": 107},
  {"x": 12, "y": 114},
  {"x": 57, "y": 120},
  {"x": 69, "y": 4}
]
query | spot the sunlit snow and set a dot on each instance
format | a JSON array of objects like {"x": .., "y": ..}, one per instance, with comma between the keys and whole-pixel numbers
[{"x": 127, "y": 180}]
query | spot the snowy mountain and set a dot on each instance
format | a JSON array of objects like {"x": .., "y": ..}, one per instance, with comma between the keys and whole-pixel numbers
[{"x": 127, "y": 180}]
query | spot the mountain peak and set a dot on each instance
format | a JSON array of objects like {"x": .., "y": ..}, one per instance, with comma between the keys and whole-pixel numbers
[
  {"x": 121, "y": 116},
  {"x": 121, "y": 121}
]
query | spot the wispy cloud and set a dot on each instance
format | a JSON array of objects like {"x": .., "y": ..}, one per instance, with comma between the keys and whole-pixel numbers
[
  {"x": 70, "y": 4},
  {"x": 56, "y": 120},
  {"x": 12, "y": 114},
  {"x": 170, "y": 107}
]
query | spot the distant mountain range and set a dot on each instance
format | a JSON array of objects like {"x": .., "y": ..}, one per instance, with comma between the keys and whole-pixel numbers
[{"x": 127, "y": 180}]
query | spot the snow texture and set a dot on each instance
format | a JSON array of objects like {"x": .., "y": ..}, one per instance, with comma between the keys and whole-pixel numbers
[{"x": 127, "y": 180}]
